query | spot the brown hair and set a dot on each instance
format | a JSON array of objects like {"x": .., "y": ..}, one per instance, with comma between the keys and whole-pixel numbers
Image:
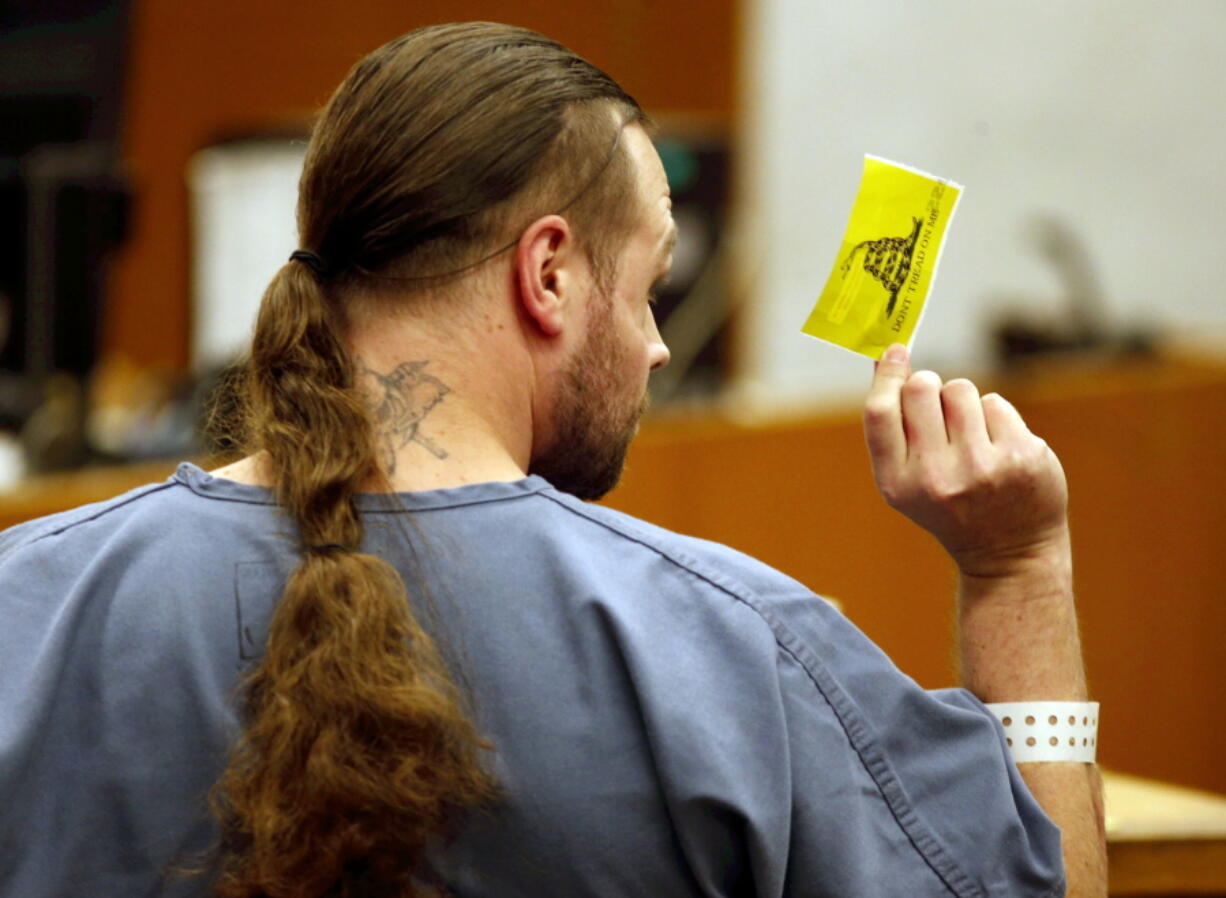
[{"x": 358, "y": 750}]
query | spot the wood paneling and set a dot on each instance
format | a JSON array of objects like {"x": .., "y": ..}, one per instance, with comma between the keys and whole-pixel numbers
[{"x": 202, "y": 71}]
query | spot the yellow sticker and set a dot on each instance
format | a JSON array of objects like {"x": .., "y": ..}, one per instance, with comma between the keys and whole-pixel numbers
[{"x": 875, "y": 295}]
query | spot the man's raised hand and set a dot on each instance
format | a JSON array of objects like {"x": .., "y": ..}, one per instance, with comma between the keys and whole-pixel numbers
[{"x": 964, "y": 467}]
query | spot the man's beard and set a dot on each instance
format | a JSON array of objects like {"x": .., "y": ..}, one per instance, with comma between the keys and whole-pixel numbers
[{"x": 593, "y": 421}]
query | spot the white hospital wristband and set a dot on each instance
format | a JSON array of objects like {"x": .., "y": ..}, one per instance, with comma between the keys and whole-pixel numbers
[{"x": 1049, "y": 731}]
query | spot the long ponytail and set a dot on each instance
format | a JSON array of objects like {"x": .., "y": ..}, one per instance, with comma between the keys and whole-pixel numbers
[
  {"x": 436, "y": 150},
  {"x": 356, "y": 749}
]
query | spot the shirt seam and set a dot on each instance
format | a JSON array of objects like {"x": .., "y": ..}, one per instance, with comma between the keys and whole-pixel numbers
[
  {"x": 487, "y": 500},
  {"x": 858, "y": 733},
  {"x": 107, "y": 507},
  {"x": 270, "y": 502}
]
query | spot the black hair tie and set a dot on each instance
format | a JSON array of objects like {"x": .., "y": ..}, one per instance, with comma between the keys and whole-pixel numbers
[
  {"x": 325, "y": 548},
  {"x": 316, "y": 261}
]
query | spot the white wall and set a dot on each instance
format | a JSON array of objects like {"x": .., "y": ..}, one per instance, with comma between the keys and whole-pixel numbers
[
  {"x": 242, "y": 204},
  {"x": 1108, "y": 114}
]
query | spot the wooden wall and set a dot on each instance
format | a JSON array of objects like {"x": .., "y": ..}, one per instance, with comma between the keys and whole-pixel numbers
[{"x": 202, "y": 71}]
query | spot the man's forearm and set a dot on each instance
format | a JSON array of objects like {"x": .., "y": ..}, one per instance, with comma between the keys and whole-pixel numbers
[
  {"x": 969, "y": 471},
  {"x": 1018, "y": 641},
  {"x": 1017, "y": 629}
]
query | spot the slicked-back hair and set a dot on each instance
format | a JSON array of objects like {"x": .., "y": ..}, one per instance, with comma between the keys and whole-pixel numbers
[{"x": 444, "y": 143}]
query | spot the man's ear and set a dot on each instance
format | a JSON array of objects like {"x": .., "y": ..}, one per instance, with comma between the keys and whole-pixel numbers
[{"x": 545, "y": 259}]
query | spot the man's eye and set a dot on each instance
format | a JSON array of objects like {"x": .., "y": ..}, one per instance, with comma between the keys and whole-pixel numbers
[{"x": 654, "y": 291}]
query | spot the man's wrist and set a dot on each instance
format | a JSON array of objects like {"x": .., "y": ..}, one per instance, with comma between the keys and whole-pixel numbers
[
  {"x": 1017, "y": 625},
  {"x": 1039, "y": 567}
]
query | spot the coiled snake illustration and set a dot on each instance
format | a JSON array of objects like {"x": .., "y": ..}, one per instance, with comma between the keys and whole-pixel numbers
[{"x": 888, "y": 260}]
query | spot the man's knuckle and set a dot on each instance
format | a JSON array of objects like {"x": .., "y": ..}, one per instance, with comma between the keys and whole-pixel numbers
[
  {"x": 981, "y": 464},
  {"x": 959, "y": 386},
  {"x": 922, "y": 382},
  {"x": 949, "y": 492},
  {"x": 878, "y": 409},
  {"x": 936, "y": 483}
]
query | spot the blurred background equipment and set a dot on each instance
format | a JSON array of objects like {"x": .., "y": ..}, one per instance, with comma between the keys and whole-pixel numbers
[
  {"x": 695, "y": 307},
  {"x": 1081, "y": 323},
  {"x": 63, "y": 211}
]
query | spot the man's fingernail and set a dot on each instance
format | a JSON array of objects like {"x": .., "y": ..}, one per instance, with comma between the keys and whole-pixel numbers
[{"x": 896, "y": 353}]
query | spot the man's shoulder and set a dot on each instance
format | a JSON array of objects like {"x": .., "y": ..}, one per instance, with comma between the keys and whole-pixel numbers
[
  {"x": 148, "y": 571},
  {"x": 720, "y": 565},
  {"x": 39, "y": 530},
  {"x": 155, "y": 514}
]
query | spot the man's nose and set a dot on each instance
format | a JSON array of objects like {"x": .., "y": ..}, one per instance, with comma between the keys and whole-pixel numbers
[
  {"x": 659, "y": 355},
  {"x": 657, "y": 351}
]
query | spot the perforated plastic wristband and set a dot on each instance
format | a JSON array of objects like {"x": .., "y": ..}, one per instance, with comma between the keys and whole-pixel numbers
[{"x": 1049, "y": 731}]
